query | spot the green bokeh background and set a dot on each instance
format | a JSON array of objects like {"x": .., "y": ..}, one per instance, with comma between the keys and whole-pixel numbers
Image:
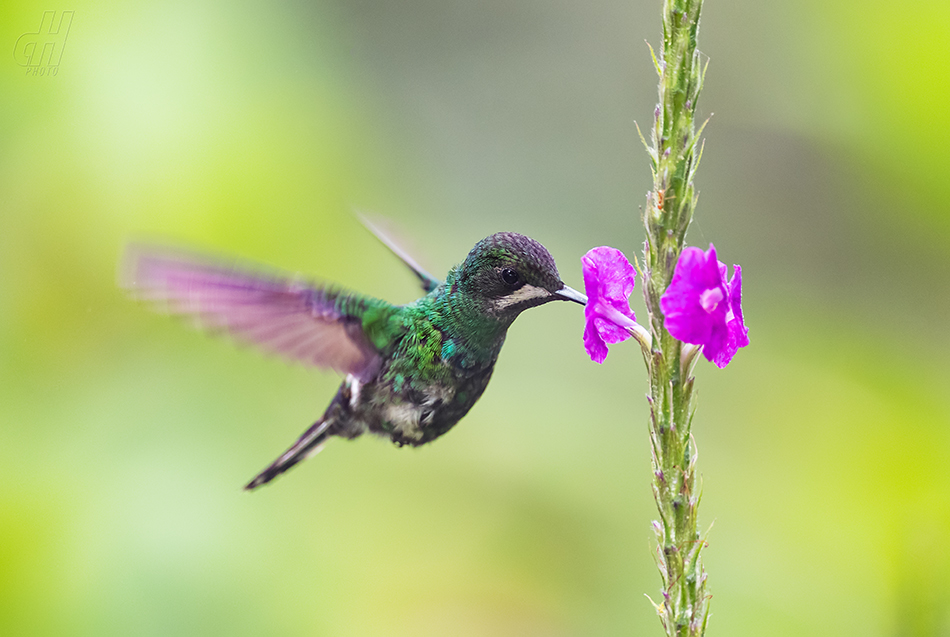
[{"x": 256, "y": 128}]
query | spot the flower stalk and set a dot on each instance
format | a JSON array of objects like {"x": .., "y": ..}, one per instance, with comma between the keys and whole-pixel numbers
[
  {"x": 693, "y": 307},
  {"x": 675, "y": 152}
]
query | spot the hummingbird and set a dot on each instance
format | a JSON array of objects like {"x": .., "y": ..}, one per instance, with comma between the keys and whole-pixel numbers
[{"x": 411, "y": 372}]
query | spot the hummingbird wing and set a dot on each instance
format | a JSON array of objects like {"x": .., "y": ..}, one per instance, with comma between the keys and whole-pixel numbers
[
  {"x": 272, "y": 310},
  {"x": 383, "y": 231}
]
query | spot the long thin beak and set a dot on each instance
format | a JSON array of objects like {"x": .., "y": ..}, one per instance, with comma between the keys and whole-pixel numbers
[{"x": 570, "y": 294}]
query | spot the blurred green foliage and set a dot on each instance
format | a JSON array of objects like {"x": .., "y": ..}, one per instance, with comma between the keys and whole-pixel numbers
[{"x": 256, "y": 128}]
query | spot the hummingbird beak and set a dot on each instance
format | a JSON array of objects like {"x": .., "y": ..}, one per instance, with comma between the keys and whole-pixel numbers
[{"x": 570, "y": 294}]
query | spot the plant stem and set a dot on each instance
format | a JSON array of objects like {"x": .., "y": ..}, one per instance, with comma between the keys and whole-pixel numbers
[{"x": 675, "y": 153}]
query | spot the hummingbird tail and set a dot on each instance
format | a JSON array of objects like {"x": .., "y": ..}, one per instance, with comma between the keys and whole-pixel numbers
[{"x": 309, "y": 444}]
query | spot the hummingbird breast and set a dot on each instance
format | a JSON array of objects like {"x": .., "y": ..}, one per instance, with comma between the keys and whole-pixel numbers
[{"x": 423, "y": 389}]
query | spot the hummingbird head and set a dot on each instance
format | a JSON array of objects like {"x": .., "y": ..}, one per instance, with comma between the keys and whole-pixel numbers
[{"x": 509, "y": 272}]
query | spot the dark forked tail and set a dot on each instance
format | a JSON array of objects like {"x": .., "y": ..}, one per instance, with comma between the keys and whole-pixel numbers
[
  {"x": 310, "y": 443},
  {"x": 307, "y": 445}
]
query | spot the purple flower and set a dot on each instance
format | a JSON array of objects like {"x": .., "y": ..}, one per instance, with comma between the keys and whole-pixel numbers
[
  {"x": 702, "y": 308},
  {"x": 608, "y": 280}
]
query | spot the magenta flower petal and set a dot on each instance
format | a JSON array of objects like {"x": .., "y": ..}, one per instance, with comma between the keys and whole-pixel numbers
[
  {"x": 594, "y": 345},
  {"x": 609, "y": 280},
  {"x": 738, "y": 332},
  {"x": 702, "y": 308}
]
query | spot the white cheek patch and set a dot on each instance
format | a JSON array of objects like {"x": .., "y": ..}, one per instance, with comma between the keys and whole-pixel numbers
[{"x": 524, "y": 293}]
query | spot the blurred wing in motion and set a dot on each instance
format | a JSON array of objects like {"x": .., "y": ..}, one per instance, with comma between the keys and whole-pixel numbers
[
  {"x": 275, "y": 312},
  {"x": 382, "y": 229}
]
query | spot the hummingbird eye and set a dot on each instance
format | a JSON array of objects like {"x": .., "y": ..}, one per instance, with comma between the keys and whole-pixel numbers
[{"x": 510, "y": 277}]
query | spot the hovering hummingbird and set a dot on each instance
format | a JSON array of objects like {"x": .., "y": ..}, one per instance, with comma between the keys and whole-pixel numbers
[{"x": 411, "y": 371}]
